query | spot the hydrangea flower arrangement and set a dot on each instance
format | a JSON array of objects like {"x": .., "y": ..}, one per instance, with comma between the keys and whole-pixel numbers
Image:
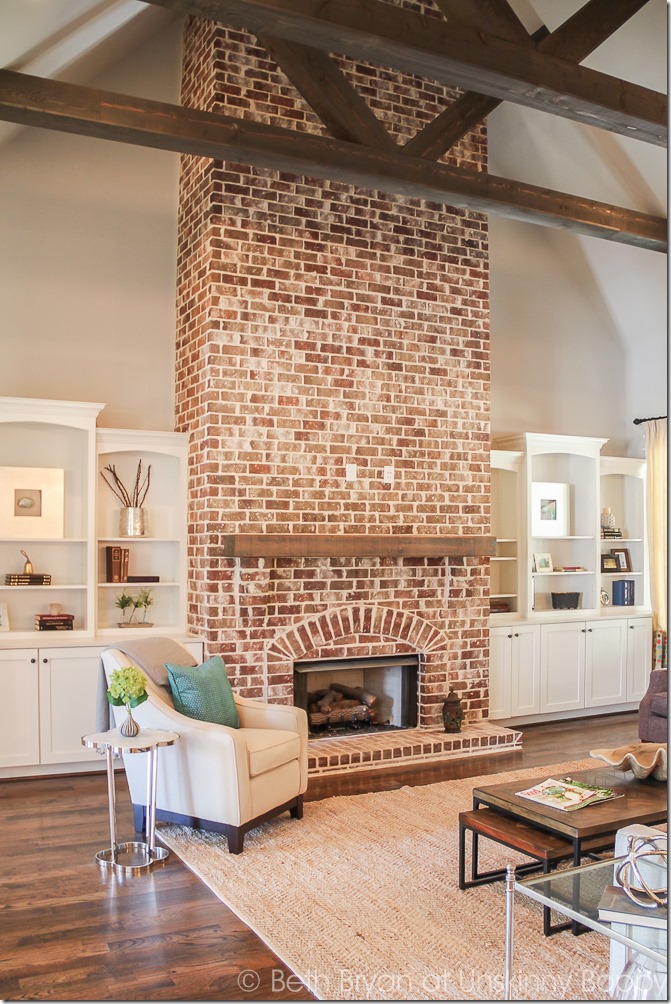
[{"x": 127, "y": 686}]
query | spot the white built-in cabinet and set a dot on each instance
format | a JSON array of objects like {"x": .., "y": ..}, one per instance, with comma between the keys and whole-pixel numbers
[
  {"x": 547, "y": 662},
  {"x": 49, "y": 679}
]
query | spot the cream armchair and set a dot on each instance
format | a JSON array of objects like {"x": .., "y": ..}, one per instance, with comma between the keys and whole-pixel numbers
[{"x": 215, "y": 777}]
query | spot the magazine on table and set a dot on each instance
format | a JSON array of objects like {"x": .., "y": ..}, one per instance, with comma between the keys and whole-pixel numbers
[{"x": 567, "y": 794}]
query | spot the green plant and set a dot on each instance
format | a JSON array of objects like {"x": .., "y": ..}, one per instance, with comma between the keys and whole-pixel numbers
[
  {"x": 145, "y": 599},
  {"x": 128, "y": 686},
  {"x": 124, "y": 603}
]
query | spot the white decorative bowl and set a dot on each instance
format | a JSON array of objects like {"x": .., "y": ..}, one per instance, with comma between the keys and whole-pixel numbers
[{"x": 643, "y": 759}]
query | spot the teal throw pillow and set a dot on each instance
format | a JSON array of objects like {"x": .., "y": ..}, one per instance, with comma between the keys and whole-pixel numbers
[{"x": 204, "y": 692}]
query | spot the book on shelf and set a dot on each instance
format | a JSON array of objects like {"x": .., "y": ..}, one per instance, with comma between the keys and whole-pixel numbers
[
  {"x": 611, "y": 534},
  {"x": 567, "y": 794},
  {"x": 31, "y": 579},
  {"x": 125, "y": 557},
  {"x": 54, "y": 622},
  {"x": 615, "y": 907},
  {"x": 113, "y": 563},
  {"x": 623, "y": 592},
  {"x": 143, "y": 578}
]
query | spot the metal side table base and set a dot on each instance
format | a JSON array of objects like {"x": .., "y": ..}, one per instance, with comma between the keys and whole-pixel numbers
[{"x": 132, "y": 856}]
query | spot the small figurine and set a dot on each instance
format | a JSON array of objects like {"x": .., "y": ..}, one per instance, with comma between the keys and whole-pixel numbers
[{"x": 28, "y": 567}]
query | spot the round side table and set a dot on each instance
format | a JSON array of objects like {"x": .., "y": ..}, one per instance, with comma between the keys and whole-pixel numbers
[{"x": 135, "y": 855}]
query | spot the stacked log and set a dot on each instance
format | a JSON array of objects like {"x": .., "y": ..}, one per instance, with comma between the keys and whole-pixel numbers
[{"x": 340, "y": 705}]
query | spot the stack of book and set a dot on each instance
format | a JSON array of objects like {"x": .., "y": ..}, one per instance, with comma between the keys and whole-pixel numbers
[
  {"x": 623, "y": 592},
  {"x": 613, "y": 533},
  {"x": 116, "y": 563},
  {"x": 54, "y": 622},
  {"x": 27, "y": 579},
  {"x": 617, "y": 908}
]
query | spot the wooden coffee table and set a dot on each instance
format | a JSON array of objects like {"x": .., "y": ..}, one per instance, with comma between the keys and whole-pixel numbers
[{"x": 641, "y": 802}]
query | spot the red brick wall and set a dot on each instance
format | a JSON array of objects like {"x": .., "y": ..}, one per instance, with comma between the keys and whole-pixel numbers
[{"x": 321, "y": 325}]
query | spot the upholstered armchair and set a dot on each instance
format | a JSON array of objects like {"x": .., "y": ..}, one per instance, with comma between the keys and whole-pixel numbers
[
  {"x": 653, "y": 709},
  {"x": 216, "y": 777}
]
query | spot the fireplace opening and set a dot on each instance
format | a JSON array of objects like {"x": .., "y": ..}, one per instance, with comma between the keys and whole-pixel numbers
[{"x": 373, "y": 694}]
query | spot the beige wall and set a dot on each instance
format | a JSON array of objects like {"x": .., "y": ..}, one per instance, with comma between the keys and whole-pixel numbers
[{"x": 87, "y": 263}]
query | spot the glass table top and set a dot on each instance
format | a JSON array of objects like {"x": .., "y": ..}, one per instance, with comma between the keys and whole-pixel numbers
[{"x": 576, "y": 892}]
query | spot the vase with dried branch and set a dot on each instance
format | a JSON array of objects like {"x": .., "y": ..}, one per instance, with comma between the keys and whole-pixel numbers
[{"x": 132, "y": 521}]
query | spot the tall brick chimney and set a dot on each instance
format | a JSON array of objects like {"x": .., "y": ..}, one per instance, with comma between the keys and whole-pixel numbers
[{"x": 321, "y": 329}]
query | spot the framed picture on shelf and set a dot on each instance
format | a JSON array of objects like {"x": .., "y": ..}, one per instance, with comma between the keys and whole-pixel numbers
[
  {"x": 609, "y": 563},
  {"x": 623, "y": 558},
  {"x": 4, "y": 617},
  {"x": 31, "y": 502},
  {"x": 543, "y": 563},
  {"x": 549, "y": 509}
]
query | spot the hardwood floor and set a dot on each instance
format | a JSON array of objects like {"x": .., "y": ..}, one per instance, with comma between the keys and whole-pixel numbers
[{"x": 71, "y": 931}]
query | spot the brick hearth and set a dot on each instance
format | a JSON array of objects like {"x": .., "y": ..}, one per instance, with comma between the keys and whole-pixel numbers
[{"x": 366, "y": 752}]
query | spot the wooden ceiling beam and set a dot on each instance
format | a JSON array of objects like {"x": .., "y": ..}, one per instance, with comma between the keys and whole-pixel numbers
[
  {"x": 494, "y": 16},
  {"x": 574, "y": 39},
  {"x": 390, "y": 36},
  {"x": 90, "y": 112},
  {"x": 329, "y": 93}
]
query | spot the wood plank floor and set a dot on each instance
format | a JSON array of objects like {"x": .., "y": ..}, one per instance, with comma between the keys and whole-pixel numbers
[{"x": 71, "y": 931}]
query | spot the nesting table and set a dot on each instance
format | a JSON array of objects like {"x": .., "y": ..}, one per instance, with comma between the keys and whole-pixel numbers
[{"x": 135, "y": 855}]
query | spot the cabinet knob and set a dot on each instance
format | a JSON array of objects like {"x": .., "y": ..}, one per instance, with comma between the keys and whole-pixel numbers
[
  {"x": 589, "y": 630},
  {"x": 33, "y": 661},
  {"x": 517, "y": 634},
  {"x": 584, "y": 630},
  {"x": 45, "y": 660},
  {"x": 510, "y": 636}
]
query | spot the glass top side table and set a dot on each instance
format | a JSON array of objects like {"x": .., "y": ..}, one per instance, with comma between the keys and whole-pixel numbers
[
  {"x": 576, "y": 893},
  {"x": 135, "y": 855}
]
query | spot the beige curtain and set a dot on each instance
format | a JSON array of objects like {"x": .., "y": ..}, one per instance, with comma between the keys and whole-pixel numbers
[{"x": 656, "y": 475}]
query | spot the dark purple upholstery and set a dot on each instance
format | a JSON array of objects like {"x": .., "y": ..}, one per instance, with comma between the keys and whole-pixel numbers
[{"x": 653, "y": 709}]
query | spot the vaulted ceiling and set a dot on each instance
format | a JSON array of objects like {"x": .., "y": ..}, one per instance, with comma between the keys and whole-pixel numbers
[{"x": 481, "y": 47}]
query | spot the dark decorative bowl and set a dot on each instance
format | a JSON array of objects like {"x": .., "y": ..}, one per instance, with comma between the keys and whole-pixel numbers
[{"x": 566, "y": 601}]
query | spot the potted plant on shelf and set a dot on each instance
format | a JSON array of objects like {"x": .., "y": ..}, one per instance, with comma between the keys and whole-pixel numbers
[
  {"x": 145, "y": 600},
  {"x": 132, "y": 515},
  {"x": 124, "y": 602},
  {"x": 127, "y": 686}
]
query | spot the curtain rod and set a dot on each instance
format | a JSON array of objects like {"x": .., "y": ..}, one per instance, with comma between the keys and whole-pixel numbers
[{"x": 657, "y": 418}]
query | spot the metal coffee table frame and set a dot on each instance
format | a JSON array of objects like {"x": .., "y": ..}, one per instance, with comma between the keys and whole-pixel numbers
[
  {"x": 134, "y": 855},
  {"x": 574, "y": 893}
]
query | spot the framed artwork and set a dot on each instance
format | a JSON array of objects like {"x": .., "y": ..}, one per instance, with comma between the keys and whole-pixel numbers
[
  {"x": 623, "y": 558},
  {"x": 549, "y": 509},
  {"x": 609, "y": 563},
  {"x": 4, "y": 617},
  {"x": 31, "y": 502},
  {"x": 543, "y": 563}
]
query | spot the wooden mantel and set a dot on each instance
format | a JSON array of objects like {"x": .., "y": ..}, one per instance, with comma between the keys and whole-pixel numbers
[{"x": 356, "y": 545}]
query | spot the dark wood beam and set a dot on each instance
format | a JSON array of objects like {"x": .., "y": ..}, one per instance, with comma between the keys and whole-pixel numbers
[
  {"x": 493, "y": 16},
  {"x": 574, "y": 40},
  {"x": 356, "y": 545},
  {"x": 89, "y": 112},
  {"x": 329, "y": 93},
  {"x": 390, "y": 36}
]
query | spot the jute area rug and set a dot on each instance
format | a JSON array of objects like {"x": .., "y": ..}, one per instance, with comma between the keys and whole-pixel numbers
[{"x": 361, "y": 900}]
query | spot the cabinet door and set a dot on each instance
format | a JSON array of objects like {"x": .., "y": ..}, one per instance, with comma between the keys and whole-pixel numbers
[
  {"x": 525, "y": 671},
  {"x": 639, "y": 656},
  {"x": 68, "y": 688},
  {"x": 500, "y": 654},
  {"x": 605, "y": 662},
  {"x": 19, "y": 711},
  {"x": 562, "y": 667}
]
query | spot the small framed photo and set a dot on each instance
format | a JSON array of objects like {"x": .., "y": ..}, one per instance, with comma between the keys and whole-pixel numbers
[
  {"x": 543, "y": 563},
  {"x": 549, "y": 509},
  {"x": 623, "y": 558},
  {"x": 4, "y": 617},
  {"x": 609, "y": 563}
]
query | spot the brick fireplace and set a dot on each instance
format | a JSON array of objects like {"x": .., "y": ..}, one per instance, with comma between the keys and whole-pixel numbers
[{"x": 333, "y": 371}]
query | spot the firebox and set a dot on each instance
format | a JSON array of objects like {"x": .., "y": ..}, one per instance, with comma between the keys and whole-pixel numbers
[{"x": 371, "y": 694}]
